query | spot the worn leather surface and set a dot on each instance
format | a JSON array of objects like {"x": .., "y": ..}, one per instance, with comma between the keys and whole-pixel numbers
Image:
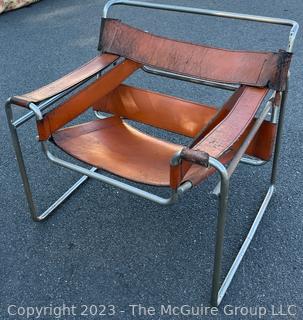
[
  {"x": 179, "y": 174},
  {"x": 228, "y": 131},
  {"x": 120, "y": 149},
  {"x": 260, "y": 69},
  {"x": 221, "y": 114},
  {"x": 85, "y": 71},
  {"x": 159, "y": 110},
  {"x": 195, "y": 156},
  {"x": 263, "y": 143},
  {"x": 113, "y": 145},
  {"x": 223, "y": 138},
  {"x": 85, "y": 98}
]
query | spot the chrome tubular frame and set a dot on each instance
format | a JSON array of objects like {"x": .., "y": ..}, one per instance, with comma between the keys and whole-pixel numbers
[
  {"x": 177, "y": 76},
  {"x": 13, "y": 126},
  {"x": 222, "y": 189},
  {"x": 277, "y": 116},
  {"x": 116, "y": 183},
  {"x": 26, "y": 185},
  {"x": 223, "y": 14}
]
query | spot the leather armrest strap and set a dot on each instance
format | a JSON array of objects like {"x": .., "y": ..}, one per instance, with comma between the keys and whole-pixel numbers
[
  {"x": 78, "y": 75},
  {"x": 83, "y": 99},
  {"x": 221, "y": 141}
]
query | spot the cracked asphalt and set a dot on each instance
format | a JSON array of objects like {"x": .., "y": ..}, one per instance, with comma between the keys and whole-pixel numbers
[{"x": 104, "y": 246}]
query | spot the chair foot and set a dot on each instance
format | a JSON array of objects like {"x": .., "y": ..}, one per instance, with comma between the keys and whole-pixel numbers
[
  {"x": 217, "y": 295},
  {"x": 43, "y": 216}
]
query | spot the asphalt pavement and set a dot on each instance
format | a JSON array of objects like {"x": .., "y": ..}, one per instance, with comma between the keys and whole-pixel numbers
[{"x": 107, "y": 247}]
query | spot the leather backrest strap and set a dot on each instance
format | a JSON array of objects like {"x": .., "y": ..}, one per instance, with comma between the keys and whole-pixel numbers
[
  {"x": 258, "y": 69},
  {"x": 78, "y": 75}
]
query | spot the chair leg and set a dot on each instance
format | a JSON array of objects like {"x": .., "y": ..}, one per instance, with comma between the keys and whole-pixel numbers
[
  {"x": 24, "y": 176},
  {"x": 279, "y": 136},
  {"x": 223, "y": 201},
  {"x": 218, "y": 291}
]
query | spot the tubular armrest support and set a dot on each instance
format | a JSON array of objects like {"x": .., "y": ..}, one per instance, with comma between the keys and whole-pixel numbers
[{"x": 78, "y": 75}]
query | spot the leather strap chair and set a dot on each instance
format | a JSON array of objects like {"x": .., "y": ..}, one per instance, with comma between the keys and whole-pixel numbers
[{"x": 220, "y": 138}]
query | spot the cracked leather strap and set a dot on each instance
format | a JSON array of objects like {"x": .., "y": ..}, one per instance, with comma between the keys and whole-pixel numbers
[
  {"x": 221, "y": 142},
  {"x": 195, "y": 156},
  {"x": 78, "y": 75},
  {"x": 224, "y": 137},
  {"x": 257, "y": 69}
]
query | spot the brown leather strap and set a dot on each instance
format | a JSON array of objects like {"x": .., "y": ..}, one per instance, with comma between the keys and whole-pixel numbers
[
  {"x": 178, "y": 173},
  {"x": 228, "y": 131},
  {"x": 259, "y": 69},
  {"x": 85, "y": 71},
  {"x": 221, "y": 114},
  {"x": 158, "y": 110},
  {"x": 195, "y": 156},
  {"x": 115, "y": 146},
  {"x": 85, "y": 98},
  {"x": 264, "y": 141},
  {"x": 221, "y": 141}
]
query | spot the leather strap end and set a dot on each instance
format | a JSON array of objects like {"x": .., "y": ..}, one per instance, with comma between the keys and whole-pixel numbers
[
  {"x": 19, "y": 102},
  {"x": 195, "y": 156}
]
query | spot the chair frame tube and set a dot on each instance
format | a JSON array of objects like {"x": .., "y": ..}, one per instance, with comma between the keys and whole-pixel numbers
[
  {"x": 218, "y": 289},
  {"x": 223, "y": 14},
  {"x": 22, "y": 168}
]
